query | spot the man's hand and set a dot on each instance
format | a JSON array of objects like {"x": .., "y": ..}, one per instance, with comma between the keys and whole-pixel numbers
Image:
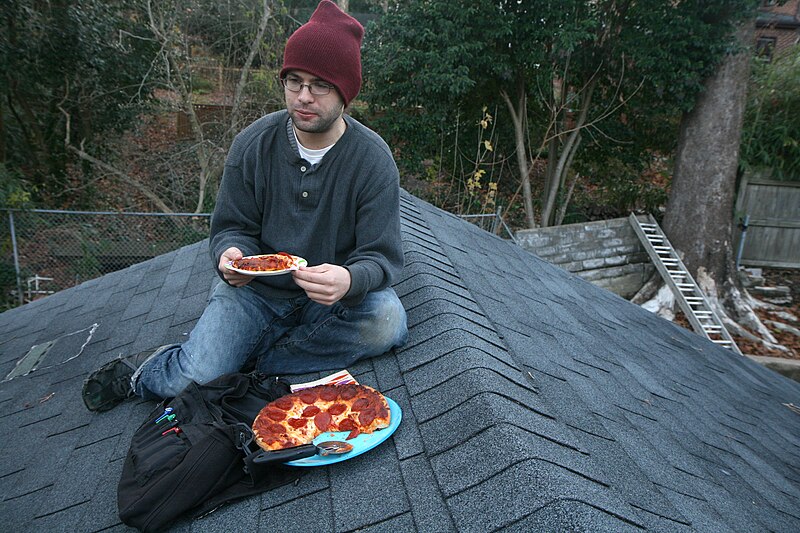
[
  {"x": 325, "y": 284},
  {"x": 234, "y": 278}
]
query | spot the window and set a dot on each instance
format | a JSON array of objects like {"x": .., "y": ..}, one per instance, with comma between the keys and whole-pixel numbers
[{"x": 765, "y": 47}]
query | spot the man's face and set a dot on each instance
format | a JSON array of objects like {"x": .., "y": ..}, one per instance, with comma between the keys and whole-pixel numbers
[{"x": 312, "y": 113}]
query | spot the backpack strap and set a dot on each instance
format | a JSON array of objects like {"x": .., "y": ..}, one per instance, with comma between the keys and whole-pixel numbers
[
  {"x": 252, "y": 392},
  {"x": 257, "y": 479}
]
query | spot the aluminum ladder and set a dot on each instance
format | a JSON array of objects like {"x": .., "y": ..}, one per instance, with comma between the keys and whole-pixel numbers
[{"x": 690, "y": 298}]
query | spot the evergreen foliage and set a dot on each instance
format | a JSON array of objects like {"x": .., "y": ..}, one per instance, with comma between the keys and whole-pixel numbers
[
  {"x": 428, "y": 63},
  {"x": 82, "y": 56},
  {"x": 771, "y": 136}
]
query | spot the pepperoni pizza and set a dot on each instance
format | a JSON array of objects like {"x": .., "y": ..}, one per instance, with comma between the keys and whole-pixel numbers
[{"x": 297, "y": 418}]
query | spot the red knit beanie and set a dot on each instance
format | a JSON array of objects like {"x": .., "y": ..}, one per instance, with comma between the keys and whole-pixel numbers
[{"x": 329, "y": 47}]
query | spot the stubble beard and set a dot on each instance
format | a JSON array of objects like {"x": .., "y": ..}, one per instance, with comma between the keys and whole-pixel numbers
[{"x": 319, "y": 124}]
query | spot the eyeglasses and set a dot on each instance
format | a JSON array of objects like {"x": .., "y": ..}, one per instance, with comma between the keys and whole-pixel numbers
[{"x": 317, "y": 88}]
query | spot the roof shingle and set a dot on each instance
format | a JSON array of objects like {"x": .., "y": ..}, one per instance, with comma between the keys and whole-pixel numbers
[{"x": 531, "y": 400}]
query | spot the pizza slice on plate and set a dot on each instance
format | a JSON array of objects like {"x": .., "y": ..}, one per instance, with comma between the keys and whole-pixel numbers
[{"x": 266, "y": 262}]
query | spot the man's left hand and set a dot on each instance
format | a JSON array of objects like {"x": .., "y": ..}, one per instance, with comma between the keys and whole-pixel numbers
[{"x": 325, "y": 284}]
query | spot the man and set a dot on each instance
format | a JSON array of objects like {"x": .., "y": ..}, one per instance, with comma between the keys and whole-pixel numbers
[{"x": 310, "y": 181}]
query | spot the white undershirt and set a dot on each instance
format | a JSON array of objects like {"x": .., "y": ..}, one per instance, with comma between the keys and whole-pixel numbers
[{"x": 312, "y": 156}]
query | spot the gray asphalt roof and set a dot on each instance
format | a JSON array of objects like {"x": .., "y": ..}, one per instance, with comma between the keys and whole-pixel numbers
[{"x": 532, "y": 401}]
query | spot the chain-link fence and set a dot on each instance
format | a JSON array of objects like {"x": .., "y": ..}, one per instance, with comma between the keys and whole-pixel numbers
[{"x": 45, "y": 251}]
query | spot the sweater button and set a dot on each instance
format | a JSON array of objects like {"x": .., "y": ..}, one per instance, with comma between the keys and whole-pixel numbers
[
  {"x": 305, "y": 194},
  {"x": 302, "y": 169}
]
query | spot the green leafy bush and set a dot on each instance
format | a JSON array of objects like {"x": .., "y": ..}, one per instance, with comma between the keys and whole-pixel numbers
[{"x": 771, "y": 134}]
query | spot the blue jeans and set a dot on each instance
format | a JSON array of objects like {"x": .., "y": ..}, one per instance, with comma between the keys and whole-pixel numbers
[{"x": 241, "y": 328}]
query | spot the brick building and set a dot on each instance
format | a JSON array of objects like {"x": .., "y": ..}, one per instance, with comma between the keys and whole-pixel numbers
[{"x": 777, "y": 26}]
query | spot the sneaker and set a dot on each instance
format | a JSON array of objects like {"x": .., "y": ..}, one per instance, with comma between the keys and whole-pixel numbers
[{"x": 111, "y": 383}]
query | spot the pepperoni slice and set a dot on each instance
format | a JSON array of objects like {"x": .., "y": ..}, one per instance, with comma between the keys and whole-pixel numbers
[
  {"x": 360, "y": 404},
  {"x": 337, "y": 409},
  {"x": 329, "y": 394},
  {"x": 353, "y": 434},
  {"x": 297, "y": 423},
  {"x": 269, "y": 440},
  {"x": 322, "y": 421},
  {"x": 310, "y": 411},
  {"x": 285, "y": 443},
  {"x": 308, "y": 396},
  {"x": 275, "y": 414},
  {"x": 284, "y": 403},
  {"x": 275, "y": 429},
  {"x": 347, "y": 424},
  {"x": 348, "y": 392},
  {"x": 366, "y": 417}
]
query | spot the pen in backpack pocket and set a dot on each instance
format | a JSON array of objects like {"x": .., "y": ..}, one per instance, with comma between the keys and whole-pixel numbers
[{"x": 166, "y": 413}]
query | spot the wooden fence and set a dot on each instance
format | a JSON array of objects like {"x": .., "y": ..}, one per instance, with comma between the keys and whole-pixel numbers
[
  {"x": 208, "y": 115},
  {"x": 771, "y": 210}
]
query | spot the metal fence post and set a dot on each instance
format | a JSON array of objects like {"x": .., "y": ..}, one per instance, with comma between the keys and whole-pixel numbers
[
  {"x": 16, "y": 255},
  {"x": 742, "y": 237}
]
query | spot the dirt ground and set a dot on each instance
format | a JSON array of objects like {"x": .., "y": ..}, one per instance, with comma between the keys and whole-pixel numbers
[
  {"x": 787, "y": 313},
  {"x": 780, "y": 310}
]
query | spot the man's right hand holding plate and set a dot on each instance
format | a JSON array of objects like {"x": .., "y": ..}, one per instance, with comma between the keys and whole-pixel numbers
[{"x": 235, "y": 279}]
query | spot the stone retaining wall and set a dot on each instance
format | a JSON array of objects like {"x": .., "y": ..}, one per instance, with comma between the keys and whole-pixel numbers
[{"x": 606, "y": 253}]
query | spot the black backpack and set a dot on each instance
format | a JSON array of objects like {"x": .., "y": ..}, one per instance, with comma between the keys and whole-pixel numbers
[{"x": 194, "y": 453}]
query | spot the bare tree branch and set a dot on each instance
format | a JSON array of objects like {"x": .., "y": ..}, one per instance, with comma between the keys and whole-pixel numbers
[
  {"x": 255, "y": 44},
  {"x": 80, "y": 152}
]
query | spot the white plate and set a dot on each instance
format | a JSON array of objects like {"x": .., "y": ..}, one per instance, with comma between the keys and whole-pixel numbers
[
  {"x": 299, "y": 261},
  {"x": 362, "y": 443}
]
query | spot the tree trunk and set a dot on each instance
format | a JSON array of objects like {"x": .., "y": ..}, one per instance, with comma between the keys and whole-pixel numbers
[
  {"x": 699, "y": 213},
  {"x": 518, "y": 114},
  {"x": 698, "y": 220},
  {"x": 573, "y": 140}
]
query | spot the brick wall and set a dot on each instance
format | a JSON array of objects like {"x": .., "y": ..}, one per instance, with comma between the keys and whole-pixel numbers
[
  {"x": 606, "y": 253},
  {"x": 778, "y": 27}
]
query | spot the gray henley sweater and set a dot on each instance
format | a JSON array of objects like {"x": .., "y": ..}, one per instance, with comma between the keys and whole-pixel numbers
[{"x": 344, "y": 211}]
